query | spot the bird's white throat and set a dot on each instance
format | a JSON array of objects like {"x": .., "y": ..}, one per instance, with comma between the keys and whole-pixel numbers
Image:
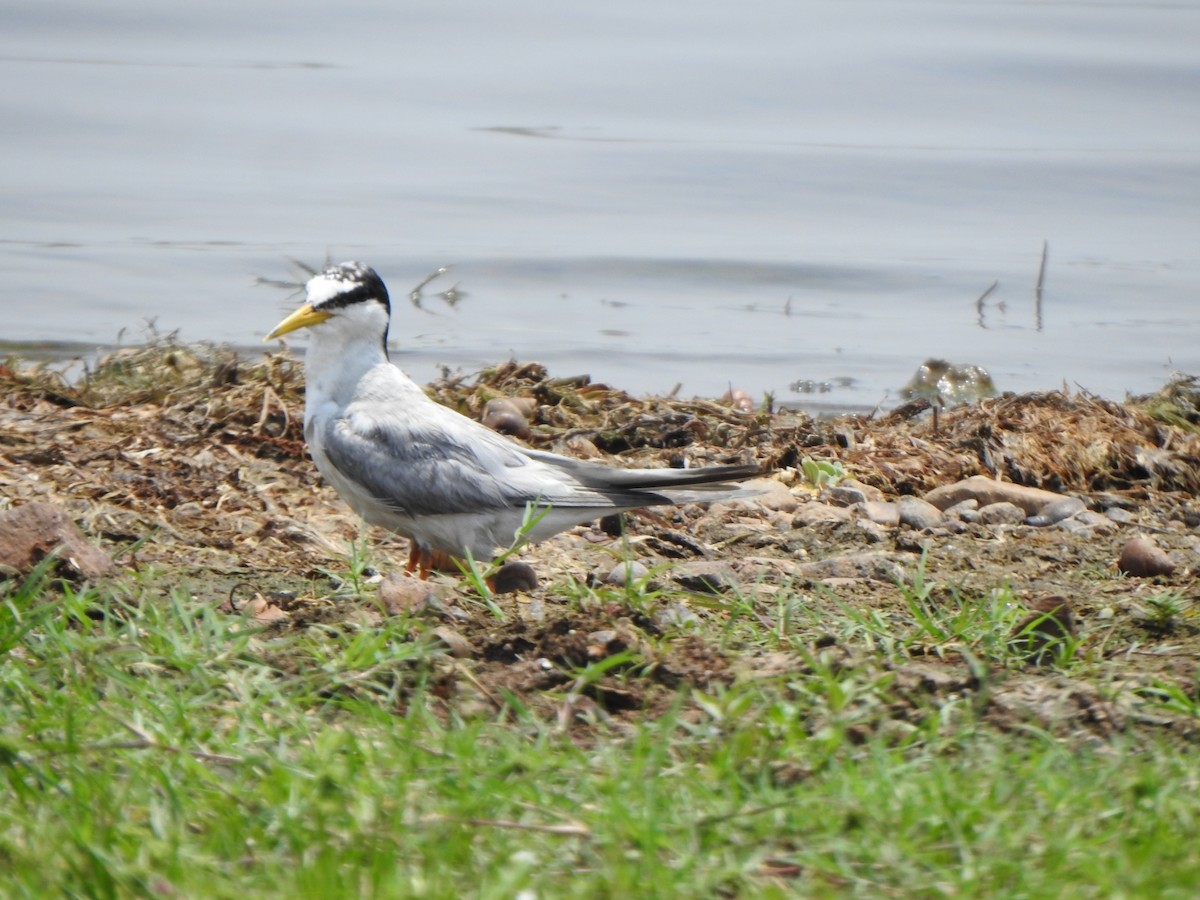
[{"x": 338, "y": 356}]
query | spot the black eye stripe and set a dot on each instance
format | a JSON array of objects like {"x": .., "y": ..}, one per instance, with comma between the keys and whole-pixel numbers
[
  {"x": 356, "y": 294},
  {"x": 361, "y": 283}
]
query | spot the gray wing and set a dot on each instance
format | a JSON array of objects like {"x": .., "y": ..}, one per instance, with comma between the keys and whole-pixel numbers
[
  {"x": 431, "y": 460},
  {"x": 418, "y": 470}
]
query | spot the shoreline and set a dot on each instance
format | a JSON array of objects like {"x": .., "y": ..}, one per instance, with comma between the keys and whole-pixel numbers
[{"x": 188, "y": 463}]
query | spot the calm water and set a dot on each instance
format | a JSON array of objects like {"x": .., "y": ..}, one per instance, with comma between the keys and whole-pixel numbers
[{"x": 693, "y": 193}]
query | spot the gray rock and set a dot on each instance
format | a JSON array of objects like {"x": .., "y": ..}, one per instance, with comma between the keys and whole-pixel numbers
[
  {"x": 1055, "y": 511},
  {"x": 1094, "y": 520},
  {"x": 674, "y": 615},
  {"x": 513, "y": 577},
  {"x": 819, "y": 514},
  {"x": 1002, "y": 513},
  {"x": 29, "y": 533},
  {"x": 880, "y": 512},
  {"x": 988, "y": 491},
  {"x": 966, "y": 512},
  {"x": 844, "y": 495},
  {"x": 625, "y": 573},
  {"x": 772, "y": 495},
  {"x": 1121, "y": 516},
  {"x": 869, "y": 491},
  {"x": 863, "y": 566},
  {"x": 703, "y": 577},
  {"x": 459, "y": 646},
  {"x": 872, "y": 531},
  {"x": 919, "y": 514},
  {"x": 1075, "y": 526}
]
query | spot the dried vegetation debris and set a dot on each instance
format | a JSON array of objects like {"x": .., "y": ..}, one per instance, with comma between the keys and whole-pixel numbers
[{"x": 190, "y": 460}]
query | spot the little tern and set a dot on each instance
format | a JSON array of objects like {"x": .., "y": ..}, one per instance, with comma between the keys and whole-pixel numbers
[{"x": 448, "y": 483}]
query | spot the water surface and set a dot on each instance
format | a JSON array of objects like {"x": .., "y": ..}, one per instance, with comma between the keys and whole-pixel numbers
[{"x": 698, "y": 194}]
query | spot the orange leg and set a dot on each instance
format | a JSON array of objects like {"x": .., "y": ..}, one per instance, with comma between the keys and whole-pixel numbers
[
  {"x": 512, "y": 576},
  {"x": 425, "y": 561}
]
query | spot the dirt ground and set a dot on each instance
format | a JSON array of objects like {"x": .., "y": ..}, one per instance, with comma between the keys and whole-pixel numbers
[{"x": 189, "y": 464}]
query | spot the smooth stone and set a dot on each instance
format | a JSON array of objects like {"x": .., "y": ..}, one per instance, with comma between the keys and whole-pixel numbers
[
  {"x": 880, "y": 512},
  {"x": 867, "y": 566},
  {"x": 872, "y": 531},
  {"x": 869, "y": 491},
  {"x": 844, "y": 495},
  {"x": 1056, "y": 510},
  {"x": 1076, "y": 527},
  {"x": 459, "y": 646},
  {"x": 674, "y": 615},
  {"x": 1121, "y": 516},
  {"x": 1094, "y": 520},
  {"x": 1141, "y": 558},
  {"x": 625, "y": 573},
  {"x": 815, "y": 513},
  {"x": 402, "y": 592},
  {"x": 772, "y": 494},
  {"x": 701, "y": 576},
  {"x": 502, "y": 415},
  {"x": 1002, "y": 513},
  {"x": 919, "y": 514},
  {"x": 513, "y": 577},
  {"x": 29, "y": 533},
  {"x": 988, "y": 491}
]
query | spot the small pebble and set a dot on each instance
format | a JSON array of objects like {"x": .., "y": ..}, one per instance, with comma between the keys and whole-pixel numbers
[
  {"x": 502, "y": 415},
  {"x": 819, "y": 514},
  {"x": 880, "y": 512},
  {"x": 626, "y": 573},
  {"x": 580, "y": 447},
  {"x": 872, "y": 531},
  {"x": 1142, "y": 559},
  {"x": 704, "y": 577},
  {"x": 967, "y": 508},
  {"x": 1091, "y": 519},
  {"x": 459, "y": 646},
  {"x": 1002, "y": 513},
  {"x": 844, "y": 495},
  {"x": 1120, "y": 516},
  {"x": 1074, "y": 526},
  {"x": 603, "y": 643},
  {"x": 674, "y": 615},
  {"x": 401, "y": 593},
  {"x": 869, "y": 491},
  {"x": 1056, "y": 511},
  {"x": 919, "y": 514},
  {"x": 513, "y": 577}
]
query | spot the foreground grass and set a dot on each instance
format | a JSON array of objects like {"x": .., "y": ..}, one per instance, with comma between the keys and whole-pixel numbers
[{"x": 164, "y": 749}]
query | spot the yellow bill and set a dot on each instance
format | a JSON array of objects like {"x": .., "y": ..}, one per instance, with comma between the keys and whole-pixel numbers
[{"x": 304, "y": 317}]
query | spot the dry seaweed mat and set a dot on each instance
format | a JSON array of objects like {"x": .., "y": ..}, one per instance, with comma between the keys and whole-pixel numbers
[{"x": 187, "y": 460}]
